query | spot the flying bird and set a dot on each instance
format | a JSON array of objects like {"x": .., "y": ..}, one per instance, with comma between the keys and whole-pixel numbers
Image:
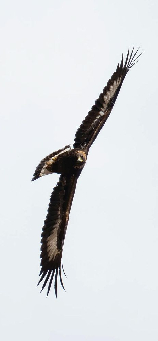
[{"x": 69, "y": 163}]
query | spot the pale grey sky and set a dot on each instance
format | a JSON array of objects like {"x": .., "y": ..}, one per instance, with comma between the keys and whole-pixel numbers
[{"x": 55, "y": 59}]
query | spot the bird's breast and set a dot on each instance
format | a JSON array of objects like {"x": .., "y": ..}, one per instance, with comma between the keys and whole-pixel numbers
[{"x": 70, "y": 162}]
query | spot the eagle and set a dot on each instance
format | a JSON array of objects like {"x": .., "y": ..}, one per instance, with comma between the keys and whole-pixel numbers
[{"x": 69, "y": 163}]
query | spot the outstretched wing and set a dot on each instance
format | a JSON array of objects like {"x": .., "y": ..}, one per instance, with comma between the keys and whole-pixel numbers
[
  {"x": 45, "y": 165},
  {"x": 54, "y": 229},
  {"x": 97, "y": 116}
]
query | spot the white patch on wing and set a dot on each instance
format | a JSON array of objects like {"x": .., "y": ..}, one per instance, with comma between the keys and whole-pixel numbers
[
  {"x": 63, "y": 151},
  {"x": 111, "y": 93},
  {"x": 107, "y": 98},
  {"x": 52, "y": 244},
  {"x": 101, "y": 113},
  {"x": 44, "y": 170}
]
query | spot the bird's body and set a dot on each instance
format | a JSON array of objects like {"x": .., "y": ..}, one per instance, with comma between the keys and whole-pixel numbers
[
  {"x": 66, "y": 161},
  {"x": 69, "y": 164}
]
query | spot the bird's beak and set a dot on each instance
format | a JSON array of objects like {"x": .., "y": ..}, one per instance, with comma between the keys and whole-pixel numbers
[{"x": 80, "y": 159}]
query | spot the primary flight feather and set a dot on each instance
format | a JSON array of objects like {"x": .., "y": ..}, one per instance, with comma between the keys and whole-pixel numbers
[{"x": 69, "y": 164}]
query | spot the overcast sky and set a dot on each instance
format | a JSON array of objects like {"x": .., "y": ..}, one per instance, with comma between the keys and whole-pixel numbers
[{"x": 55, "y": 59}]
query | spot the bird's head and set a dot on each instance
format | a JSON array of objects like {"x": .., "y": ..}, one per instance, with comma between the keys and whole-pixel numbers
[{"x": 80, "y": 159}]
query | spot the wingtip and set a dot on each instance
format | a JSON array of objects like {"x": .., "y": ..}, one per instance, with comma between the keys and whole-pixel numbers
[
  {"x": 35, "y": 177},
  {"x": 63, "y": 271},
  {"x": 132, "y": 58},
  {"x": 47, "y": 276}
]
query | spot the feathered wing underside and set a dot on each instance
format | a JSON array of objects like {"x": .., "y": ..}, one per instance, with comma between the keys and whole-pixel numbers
[
  {"x": 97, "y": 116},
  {"x": 54, "y": 229},
  {"x": 44, "y": 166}
]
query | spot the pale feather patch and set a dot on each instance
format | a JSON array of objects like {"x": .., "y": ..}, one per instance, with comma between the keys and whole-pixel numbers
[
  {"x": 44, "y": 170},
  {"x": 107, "y": 98},
  {"x": 101, "y": 113},
  {"x": 111, "y": 92},
  {"x": 52, "y": 244}
]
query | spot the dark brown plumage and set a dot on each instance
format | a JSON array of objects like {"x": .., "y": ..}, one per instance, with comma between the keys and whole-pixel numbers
[{"x": 69, "y": 164}]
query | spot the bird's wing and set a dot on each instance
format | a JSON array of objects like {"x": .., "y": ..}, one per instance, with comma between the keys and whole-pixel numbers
[
  {"x": 54, "y": 229},
  {"x": 97, "y": 116},
  {"x": 44, "y": 166}
]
